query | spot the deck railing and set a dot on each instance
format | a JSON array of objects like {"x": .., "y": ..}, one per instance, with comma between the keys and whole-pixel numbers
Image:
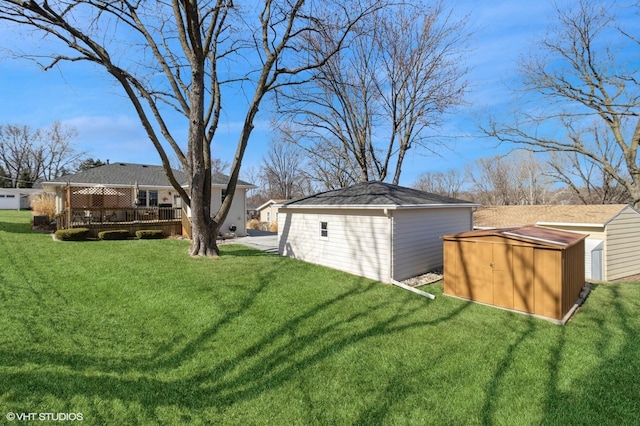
[{"x": 85, "y": 217}]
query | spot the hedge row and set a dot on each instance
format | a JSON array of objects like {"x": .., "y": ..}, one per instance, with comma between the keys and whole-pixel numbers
[
  {"x": 74, "y": 234},
  {"x": 115, "y": 234},
  {"x": 149, "y": 234},
  {"x": 81, "y": 234}
]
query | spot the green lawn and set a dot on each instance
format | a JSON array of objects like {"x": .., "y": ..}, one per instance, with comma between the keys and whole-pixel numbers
[{"x": 138, "y": 332}]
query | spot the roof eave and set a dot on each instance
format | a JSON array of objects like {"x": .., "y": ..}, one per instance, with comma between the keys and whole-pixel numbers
[
  {"x": 586, "y": 225},
  {"x": 376, "y": 206}
]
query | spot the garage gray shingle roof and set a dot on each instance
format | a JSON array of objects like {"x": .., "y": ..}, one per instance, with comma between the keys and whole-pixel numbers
[
  {"x": 375, "y": 193},
  {"x": 130, "y": 173}
]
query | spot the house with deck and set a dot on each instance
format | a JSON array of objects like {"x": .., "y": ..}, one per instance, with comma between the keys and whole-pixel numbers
[{"x": 134, "y": 197}]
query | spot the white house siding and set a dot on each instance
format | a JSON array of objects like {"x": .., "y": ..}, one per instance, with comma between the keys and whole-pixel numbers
[
  {"x": 237, "y": 213},
  {"x": 622, "y": 245},
  {"x": 358, "y": 240},
  {"x": 417, "y": 247}
]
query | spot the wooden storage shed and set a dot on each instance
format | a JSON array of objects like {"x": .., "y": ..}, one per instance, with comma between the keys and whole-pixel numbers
[
  {"x": 613, "y": 243},
  {"x": 530, "y": 269}
]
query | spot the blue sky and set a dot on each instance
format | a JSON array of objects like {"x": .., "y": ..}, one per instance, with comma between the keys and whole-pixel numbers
[{"x": 86, "y": 98}]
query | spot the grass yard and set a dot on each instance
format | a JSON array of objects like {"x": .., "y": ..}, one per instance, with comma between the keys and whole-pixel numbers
[{"x": 138, "y": 332}]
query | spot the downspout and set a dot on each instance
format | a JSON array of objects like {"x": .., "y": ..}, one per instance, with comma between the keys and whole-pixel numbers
[{"x": 389, "y": 216}]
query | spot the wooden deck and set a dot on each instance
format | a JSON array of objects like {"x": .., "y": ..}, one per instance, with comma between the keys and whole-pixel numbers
[{"x": 167, "y": 219}]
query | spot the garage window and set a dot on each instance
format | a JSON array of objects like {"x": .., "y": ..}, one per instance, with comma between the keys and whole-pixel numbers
[{"x": 324, "y": 230}]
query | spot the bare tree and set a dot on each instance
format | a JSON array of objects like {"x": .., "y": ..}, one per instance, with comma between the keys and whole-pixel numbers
[
  {"x": 583, "y": 74},
  {"x": 219, "y": 166},
  {"x": 27, "y": 154},
  {"x": 447, "y": 183},
  {"x": 177, "y": 57},
  {"x": 381, "y": 98},
  {"x": 585, "y": 181},
  {"x": 515, "y": 179},
  {"x": 282, "y": 171},
  {"x": 56, "y": 155},
  {"x": 89, "y": 163}
]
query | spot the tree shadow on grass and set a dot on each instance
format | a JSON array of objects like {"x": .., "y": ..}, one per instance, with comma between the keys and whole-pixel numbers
[
  {"x": 307, "y": 337},
  {"x": 239, "y": 250},
  {"x": 609, "y": 394},
  {"x": 606, "y": 394}
]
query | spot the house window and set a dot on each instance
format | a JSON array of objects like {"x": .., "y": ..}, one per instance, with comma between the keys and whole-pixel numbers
[
  {"x": 142, "y": 198},
  {"x": 324, "y": 230},
  {"x": 268, "y": 216},
  {"x": 153, "y": 198}
]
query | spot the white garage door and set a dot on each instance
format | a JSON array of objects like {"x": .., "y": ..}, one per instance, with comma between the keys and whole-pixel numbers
[{"x": 9, "y": 202}]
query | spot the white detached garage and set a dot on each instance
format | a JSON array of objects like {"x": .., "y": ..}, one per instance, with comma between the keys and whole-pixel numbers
[
  {"x": 372, "y": 229},
  {"x": 15, "y": 198}
]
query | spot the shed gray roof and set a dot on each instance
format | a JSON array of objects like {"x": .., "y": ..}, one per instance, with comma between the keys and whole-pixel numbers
[
  {"x": 126, "y": 174},
  {"x": 377, "y": 194}
]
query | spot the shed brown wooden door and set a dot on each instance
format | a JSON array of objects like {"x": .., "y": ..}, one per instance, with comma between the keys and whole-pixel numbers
[
  {"x": 502, "y": 275},
  {"x": 488, "y": 272},
  {"x": 476, "y": 271},
  {"x": 522, "y": 264}
]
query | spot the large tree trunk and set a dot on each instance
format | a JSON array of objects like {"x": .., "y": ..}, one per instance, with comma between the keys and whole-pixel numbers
[{"x": 203, "y": 229}]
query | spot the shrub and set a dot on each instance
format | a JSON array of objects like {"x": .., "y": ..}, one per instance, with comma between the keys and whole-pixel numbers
[
  {"x": 74, "y": 234},
  {"x": 253, "y": 224},
  {"x": 43, "y": 204},
  {"x": 115, "y": 234},
  {"x": 150, "y": 234},
  {"x": 273, "y": 227}
]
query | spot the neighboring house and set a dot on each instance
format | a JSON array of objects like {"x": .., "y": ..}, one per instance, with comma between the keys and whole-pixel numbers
[
  {"x": 269, "y": 211},
  {"x": 612, "y": 247},
  {"x": 373, "y": 229},
  {"x": 120, "y": 193},
  {"x": 16, "y": 198}
]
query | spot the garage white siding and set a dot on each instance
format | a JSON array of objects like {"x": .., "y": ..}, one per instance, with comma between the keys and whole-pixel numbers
[
  {"x": 622, "y": 245},
  {"x": 357, "y": 241},
  {"x": 417, "y": 247}
]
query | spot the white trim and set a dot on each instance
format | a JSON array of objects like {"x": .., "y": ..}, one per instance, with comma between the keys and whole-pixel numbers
[
  {"x": 619, "y": 213},
  {"x": 267, "y": 203},
  {"x": 109, "y": 185},
  {"x": 586, "y": 225}
]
